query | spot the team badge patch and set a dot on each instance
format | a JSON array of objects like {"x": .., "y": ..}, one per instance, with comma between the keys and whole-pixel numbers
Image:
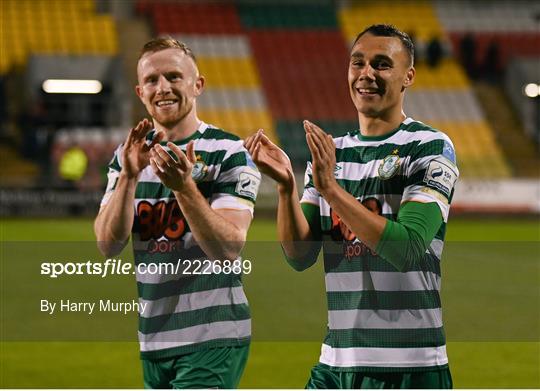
[
  {"x": 389, "y": 166},
  {"x": 200, "y": 169},
  {"x": 441, "y": 176}
]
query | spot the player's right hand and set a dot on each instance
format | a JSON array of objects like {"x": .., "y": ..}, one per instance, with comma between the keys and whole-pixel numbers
[
  {"x": 136, "y": 153},
  {"x": 271, "y": 160}
]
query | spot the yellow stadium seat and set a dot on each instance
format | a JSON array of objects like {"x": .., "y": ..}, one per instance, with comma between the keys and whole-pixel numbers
[
  {"x": 55, "y": 27},
  {"x": 243, "y": 123},
  {"x": 229, "y": 72},
  {"x": 417, "y": 16},
  {"x": 477, "y": 151}
]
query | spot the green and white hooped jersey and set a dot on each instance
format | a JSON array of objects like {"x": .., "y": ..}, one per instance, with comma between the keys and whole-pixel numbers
[
  {"x": 186, "y": 313},
  {"x": 380, "y": 319}
]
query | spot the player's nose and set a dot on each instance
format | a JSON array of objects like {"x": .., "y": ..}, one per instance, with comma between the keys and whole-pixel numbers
[
  {"x": 163, "y": 85},
  {"x": 367, "y": 72}
]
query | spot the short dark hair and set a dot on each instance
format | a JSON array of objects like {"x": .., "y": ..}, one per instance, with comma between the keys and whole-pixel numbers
[
  {"x": 162, "y": 43},
  {"x": 388, "y": 30}
]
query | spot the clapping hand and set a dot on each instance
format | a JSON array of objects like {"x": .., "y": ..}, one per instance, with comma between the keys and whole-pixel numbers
[
  {"x": 136, "y": 152},
  {"x": 271, "y": 160},
  {"x": 323, "y": 154},
  {"x": 175, "y": 173}
]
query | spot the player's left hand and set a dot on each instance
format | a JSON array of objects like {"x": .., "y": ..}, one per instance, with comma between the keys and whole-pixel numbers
[
  {"x": 173, "y": 173},
  {"x": 323, "y": 155}
]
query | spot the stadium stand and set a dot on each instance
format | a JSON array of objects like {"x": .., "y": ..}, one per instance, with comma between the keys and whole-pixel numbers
[
  {"x": 233, "y": 97},
  {"x": 44, "y": 28},
  {"x": 294, "y": 54},
  {"x": 506, "y": 39},
  {"x": 53, "y": 27},
  {"x": 512, "y": 25},
  {"x": 269, "y": 64},
  {"x": 441, "y": 96},
  {"x": 301, "y": 55}
]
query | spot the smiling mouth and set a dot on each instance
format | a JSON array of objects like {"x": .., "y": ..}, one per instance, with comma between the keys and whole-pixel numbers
[
  {"x": 165, "y": 103},
  {"x": 368, "y": 91}
]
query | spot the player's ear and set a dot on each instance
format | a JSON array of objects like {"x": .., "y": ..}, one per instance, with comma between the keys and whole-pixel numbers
[
  {"x": 138, "y": 90},
  {"x": 199, "y": 85},
  {"x": 409, "y": 78}
]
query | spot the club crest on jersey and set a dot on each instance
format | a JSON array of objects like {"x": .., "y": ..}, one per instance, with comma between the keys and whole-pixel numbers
[
  {"x": 200, "y": 169},
  {"x": 389, "y": 166}
]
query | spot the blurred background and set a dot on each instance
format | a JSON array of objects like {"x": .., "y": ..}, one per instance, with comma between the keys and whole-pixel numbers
[{"x": 68, "y": 71}]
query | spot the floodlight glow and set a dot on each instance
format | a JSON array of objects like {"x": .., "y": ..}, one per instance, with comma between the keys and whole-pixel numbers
[
  {"x": 64, "y": 86},
  {"x": 532, "y": 90}
]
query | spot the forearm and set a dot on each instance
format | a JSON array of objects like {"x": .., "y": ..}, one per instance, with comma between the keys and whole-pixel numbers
[
  {"x": 366, "y": 225},
  {"x": 218, "y": 238},
  {"x": 115, "y": 220},
  {"x": 294, "y": 232}
]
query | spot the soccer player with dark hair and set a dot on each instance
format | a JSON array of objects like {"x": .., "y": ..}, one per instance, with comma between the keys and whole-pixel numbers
[
  {"x": 377, "y": 201},
  {"x": 184, "y": 189}
]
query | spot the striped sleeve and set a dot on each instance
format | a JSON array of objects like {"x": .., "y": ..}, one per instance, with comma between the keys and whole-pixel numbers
[
  {"x": 113, "y": 173},
  {"x": 238, "y": 182},
  {"x": 432, "y": 173}
]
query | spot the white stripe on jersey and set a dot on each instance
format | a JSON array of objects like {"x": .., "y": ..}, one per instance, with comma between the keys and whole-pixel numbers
[
  {"x": 385, "y": 319},
  {"x": 195, "y": 301},
  {"x": 194, "y": 334},
  {"x": 383, "y": 357},
  {"x": 382, "y": 281}
]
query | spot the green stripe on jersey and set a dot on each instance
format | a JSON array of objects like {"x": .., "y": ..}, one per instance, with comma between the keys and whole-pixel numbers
[
  {"x": 218, "y": 134},
  {"x": 379, "y": 300},
  {"x": 115, "y": 164},
  {"x": 178, "y": 351},
  {"x": 336, "y": 263},
  {"x": 367, "y": 154},
  {"x": 371, "y": 186},
  {"x": 157, "y": 190},
  {"x": 187, "y": 285},
  {"x": 383, "y": 338},
  {"x": 181, "y": 320}
]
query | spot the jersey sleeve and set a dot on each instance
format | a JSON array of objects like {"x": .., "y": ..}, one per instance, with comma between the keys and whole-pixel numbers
[
  {"x": 432, "y": 173},
  {"x": 311, "y": 196},
  {"x": 238, "y": 182},
  {"x": 113, "y": 173}
]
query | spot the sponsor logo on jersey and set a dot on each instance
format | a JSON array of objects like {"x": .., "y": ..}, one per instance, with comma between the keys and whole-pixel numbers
[
  {"x": 389, "y": 166},
  {"x": 162, "y": 219},
  {"x": 441, "y": 175},
  {"x": 340, "y": 232},
  {"x": 248, "y": 184},
  {"x": 337, "y": 169}
]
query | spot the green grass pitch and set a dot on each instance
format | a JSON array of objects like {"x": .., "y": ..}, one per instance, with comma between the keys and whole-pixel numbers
[{"x": 491, "y": 294}]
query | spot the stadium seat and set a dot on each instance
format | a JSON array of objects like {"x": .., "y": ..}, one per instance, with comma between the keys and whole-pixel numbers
[
  {"x": 441, "y": 96},
  {"x": 53, "y": 27}
]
